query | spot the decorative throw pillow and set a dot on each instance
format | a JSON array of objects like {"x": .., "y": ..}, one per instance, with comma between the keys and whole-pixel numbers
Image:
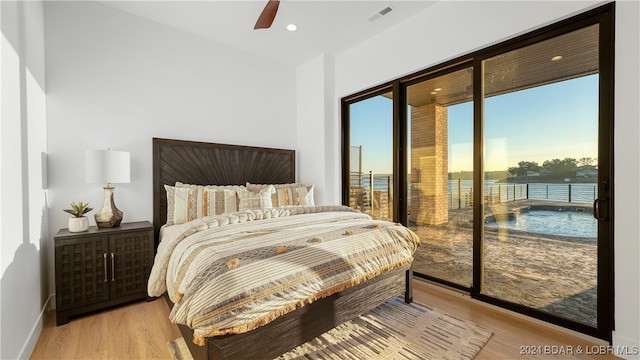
[
  {"x": 187, "y": 202},
  {"x": 255, "y": 200},
  {"x": 287, "y": 194},
  {"x": 177, "y": 205}
]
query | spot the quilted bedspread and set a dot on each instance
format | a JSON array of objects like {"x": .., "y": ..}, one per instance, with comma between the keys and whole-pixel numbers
[{"x": 232, "y": 273}]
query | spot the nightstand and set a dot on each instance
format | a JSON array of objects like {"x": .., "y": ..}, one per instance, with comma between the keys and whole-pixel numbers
[{"x": 101, "y": 267}]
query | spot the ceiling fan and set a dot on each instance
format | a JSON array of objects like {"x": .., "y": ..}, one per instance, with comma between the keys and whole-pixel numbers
[{"x": 268, "y": 15}]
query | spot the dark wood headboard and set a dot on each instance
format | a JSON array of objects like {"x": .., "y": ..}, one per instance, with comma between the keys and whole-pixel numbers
[{"x": 203, "y": 163}]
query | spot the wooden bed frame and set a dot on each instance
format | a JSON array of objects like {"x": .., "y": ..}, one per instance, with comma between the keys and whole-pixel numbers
[{"x": 207, "y": 163}]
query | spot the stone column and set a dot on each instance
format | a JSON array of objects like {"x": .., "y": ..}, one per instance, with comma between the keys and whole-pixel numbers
[{"x": 429, "y": 165}]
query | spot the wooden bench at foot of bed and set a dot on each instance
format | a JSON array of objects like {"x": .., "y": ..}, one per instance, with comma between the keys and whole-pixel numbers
[{"x": 305, "y": 323}]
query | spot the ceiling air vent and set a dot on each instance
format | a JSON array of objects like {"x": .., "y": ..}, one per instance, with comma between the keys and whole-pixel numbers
[{"x": 380, "y": 13}]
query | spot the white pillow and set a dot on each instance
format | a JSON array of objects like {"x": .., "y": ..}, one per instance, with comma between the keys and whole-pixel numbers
[{"x": 287, "y": 194}]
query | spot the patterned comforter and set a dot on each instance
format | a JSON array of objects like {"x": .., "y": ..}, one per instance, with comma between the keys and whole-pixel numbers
[{"x": 232, "y": 273}]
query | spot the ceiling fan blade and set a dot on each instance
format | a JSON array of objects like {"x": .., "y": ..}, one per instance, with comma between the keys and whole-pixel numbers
[{"x": 268, "y": 15}]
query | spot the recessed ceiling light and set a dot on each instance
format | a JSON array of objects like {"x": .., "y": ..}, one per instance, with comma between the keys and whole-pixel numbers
[
  {"x": 437, "y": 89},
  {"x": 292, "y": 27},
  {"x": 556, "y": 58},
  {"x": 433, "y": 92}
]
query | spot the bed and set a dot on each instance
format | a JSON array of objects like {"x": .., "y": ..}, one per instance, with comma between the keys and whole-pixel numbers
[{"x": 206, "y": 163}]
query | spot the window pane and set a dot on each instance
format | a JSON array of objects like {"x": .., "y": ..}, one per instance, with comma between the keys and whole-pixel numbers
[
  {"x": 541, "y": 148},
  {"x": 371, "y": 156},
  {"x": 441, "y": 175}
]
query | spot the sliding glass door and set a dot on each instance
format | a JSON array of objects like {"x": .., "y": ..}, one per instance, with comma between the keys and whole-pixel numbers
[
  {"x": 440, "y": 173},
  {"x": 501, "y": 162},
  {"x": 541, "y": 146}
]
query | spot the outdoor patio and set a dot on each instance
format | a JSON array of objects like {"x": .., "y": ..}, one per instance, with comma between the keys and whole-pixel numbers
[{"x": 551, "y": 273}]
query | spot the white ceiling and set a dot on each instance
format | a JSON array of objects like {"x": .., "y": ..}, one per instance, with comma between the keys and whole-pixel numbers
[{"x": 323, "y": 26}]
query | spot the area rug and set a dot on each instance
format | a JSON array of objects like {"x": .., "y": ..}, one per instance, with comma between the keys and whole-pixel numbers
[{"x": 393, "y": 330}]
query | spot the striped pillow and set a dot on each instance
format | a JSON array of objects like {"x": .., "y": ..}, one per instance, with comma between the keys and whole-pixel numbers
[
  {"x": 187, "y": 202},
  {"x": 287, "y": 194}
]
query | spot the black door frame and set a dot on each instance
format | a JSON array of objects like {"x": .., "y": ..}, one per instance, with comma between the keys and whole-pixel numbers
[{"x": 604, "y": 16}]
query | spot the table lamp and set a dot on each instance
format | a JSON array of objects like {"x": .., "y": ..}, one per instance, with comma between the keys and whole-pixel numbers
[{"x": 107, "y": 166}]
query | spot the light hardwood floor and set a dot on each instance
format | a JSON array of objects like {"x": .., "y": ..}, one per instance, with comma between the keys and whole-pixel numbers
[
  {"x": 141, "y": 330},
  {"x": 138, "y": 330}
]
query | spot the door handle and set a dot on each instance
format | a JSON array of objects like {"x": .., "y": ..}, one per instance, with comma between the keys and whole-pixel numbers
[
  {"x": 105, "y": 266},
  {"x": 601, "y": 204},
  {"x": 113, "y": 267},
  {"x": 601, "y": 209}
]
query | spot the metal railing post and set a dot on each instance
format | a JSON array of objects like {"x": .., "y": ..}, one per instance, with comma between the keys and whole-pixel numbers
[
  {"x": 459, "y": 194},
  {"x": 389, "y": 198},
  {"x": 360, "y": 165},
  {"x": 371, "y": 191}
]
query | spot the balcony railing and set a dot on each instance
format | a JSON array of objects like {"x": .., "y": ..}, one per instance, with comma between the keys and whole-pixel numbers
[{"x": 460, "y": 194}]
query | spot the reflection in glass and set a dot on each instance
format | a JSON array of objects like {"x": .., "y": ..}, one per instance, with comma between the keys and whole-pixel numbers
[
  {"x": 541, "y": 167},
  {"x": 371, "y": 156},
  {"x": 441, "y": 175}
]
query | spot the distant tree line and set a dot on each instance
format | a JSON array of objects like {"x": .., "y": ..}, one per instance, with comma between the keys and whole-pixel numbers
[
  {"x": 556, "y": 168},
  {"x": 532, "y": 171}
]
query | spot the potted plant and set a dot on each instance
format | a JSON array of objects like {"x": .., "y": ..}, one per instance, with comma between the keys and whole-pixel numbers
[{"x": 78, "y": 222}]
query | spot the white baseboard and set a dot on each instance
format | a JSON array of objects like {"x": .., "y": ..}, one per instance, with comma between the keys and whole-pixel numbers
[
  {"x": 626, "y": 348},
  {"x": 31, "y": 342}
]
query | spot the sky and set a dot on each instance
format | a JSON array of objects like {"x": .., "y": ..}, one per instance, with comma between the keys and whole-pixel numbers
[{"x": 548, "y": 122}]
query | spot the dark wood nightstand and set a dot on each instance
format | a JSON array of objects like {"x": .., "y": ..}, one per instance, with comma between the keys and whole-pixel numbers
[{"x": 99, "y": 268}]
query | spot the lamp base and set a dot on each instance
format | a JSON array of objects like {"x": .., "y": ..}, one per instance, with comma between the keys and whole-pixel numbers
[{"x": 109, "y": 216}]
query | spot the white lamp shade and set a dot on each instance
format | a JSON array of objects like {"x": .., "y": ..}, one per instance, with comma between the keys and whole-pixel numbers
[{"x": 107, "y": 166}]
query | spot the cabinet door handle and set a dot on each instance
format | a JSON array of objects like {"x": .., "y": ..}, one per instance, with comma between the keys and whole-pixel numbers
[
  {"x": 105, "y": 266},
  {"x": 113, "y": 267}
]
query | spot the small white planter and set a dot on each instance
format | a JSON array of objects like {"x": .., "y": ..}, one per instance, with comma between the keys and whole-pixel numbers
[{"x": 78, "y": 224}]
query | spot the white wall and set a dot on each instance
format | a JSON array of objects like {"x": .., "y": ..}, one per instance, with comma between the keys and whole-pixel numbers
[
  {"x": 627, "y": 174},
  {"x": 115, "y": 80},
  {"x": 447, "y": 30},
  {"x": 23, "y": 219},
  {"x": 311, "y": 124},
  {"x": 316, "y": 123}
]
